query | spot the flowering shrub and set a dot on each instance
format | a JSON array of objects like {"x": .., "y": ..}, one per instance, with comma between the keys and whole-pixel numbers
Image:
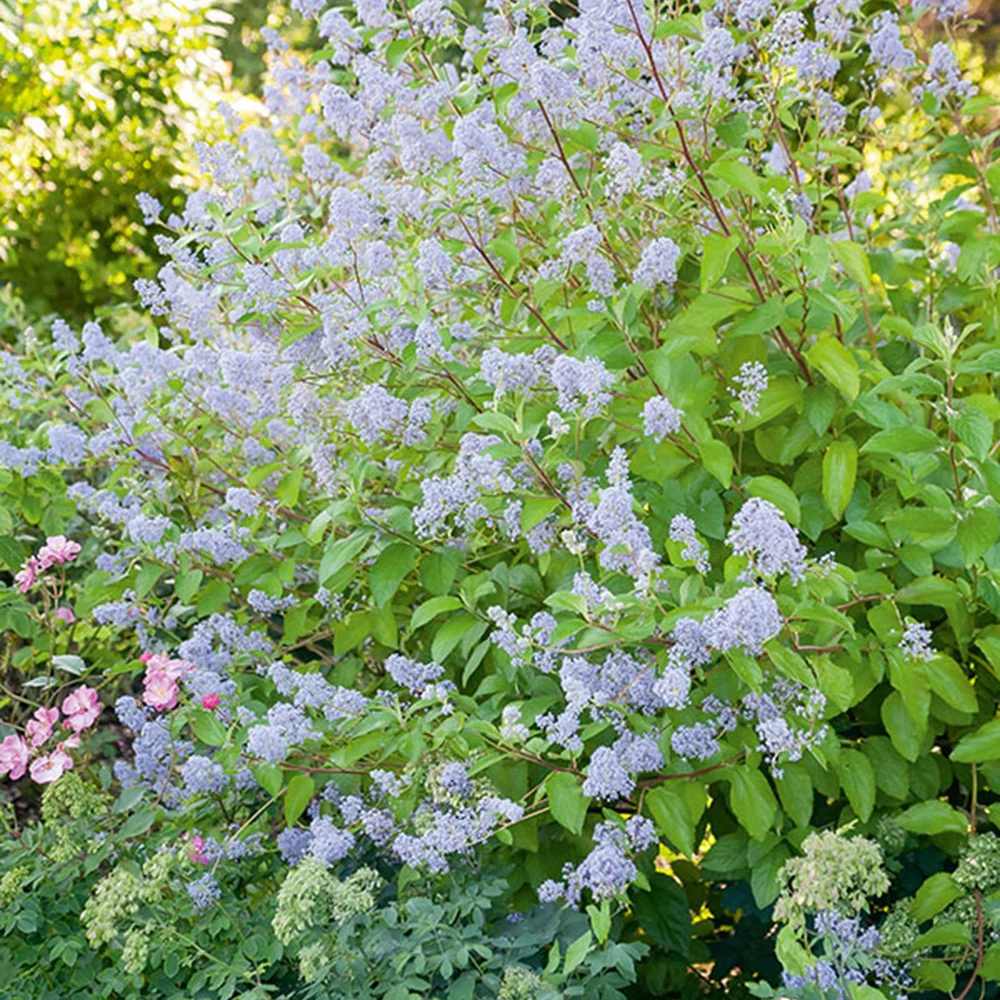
[{"x": 544, "y": 540}]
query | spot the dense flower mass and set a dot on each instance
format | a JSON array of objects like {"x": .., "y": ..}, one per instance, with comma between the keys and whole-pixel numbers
[{"x": 540, "y": 521}]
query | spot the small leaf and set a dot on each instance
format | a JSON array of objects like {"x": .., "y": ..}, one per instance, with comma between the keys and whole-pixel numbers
[
  {"x": 71, "y": 664},
  {"x": 300, "y": 791},
  {"x": 901, "y": 441},
  {"x": 270, "y": 777},
  {"x": 840, "y": 468},
  {"x": 339, "y": 552}
]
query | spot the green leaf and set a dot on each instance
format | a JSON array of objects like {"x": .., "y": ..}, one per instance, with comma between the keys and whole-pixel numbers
[
  {"x": 138, "y": 823},
  {"x": 673, "y": 817},
  {"x": 937, "y": 892},
  {"x": 298, "y": 794},
  {"x": 901, "y": 441},
  {"x": 840, "y": 469},
  {"x": 146, "y": 579},
  {"x": 213, "y": 597},
  {"x": 186, "y": 585},
  {"x": 288, "y": 489},
  {"x": 390, "y": 568},
  {"x": 438, "y": 570},
  {"x": 752, "y": 801},
  {"x": 577, "y": 952},
  {"x": 907, "y": 737},
  {"x": 737, "y": 175},
  {"x": 718, "y": 459},
  {"x": 829, "y": 356},
  {"x": 932, "y": 818},
  {"x": 978, "y": 532},
  {"x": 715, "y": 258},
  {"x": 339, "y": 552},
  {"x": 948, "y": 681},
  {"x": 975, "y": 431},
  {"x": 782, "y": 496},
  {"x": 858, "y": 781},
  {"x": 207, "y": 728},
  {"x": 270, "y": 777},
  {"x": 430, "y": 609},
  {"x": 567, "y": 803},
  {"x": 795, "y": 789},
  {"x": 979, "y": 746},
  {"x": 853, "y": 259},
  {"x": 943, "y": 934},
  {"x": 535, "y": 510},
  {"x": 450, "y": 635}
]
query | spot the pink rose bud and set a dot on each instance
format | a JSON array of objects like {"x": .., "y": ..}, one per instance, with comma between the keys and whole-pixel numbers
[
  {"x": 65, "y": 614},
  {"x": 81, "y": 708},
  {"x": 58, "y": 549},
  {"x": 197, "y": 853},
  {"x": 51, "y": 767},
  {"x": 145, "y": 657},
  {"x": 25, "y": 577},
  {"x": 39, "y": 728},
  {"x": 13, "y": 757},
  {"x": 210, "y": 701}
]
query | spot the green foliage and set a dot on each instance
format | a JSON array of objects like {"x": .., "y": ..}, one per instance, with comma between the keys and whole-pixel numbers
[{"x": 98, "y": 102}]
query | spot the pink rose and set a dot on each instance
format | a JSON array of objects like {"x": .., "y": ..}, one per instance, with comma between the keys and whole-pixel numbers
[
  {"x": 65, "y": 614},
  {"x": 26, "y": 576},
  {"x": 51, "y": 767},
  {"x": 81, "y": 708},
  {"x": 58, "y": 549},
  {"x": 210, "y": 701},
  {"x": 160, "y": 690},
  {"x": 145, "y": 657},
  {"x": 13, "y": 757},
  {"x": 160, "y": 682},
  {"x": 39, "y": 729}
]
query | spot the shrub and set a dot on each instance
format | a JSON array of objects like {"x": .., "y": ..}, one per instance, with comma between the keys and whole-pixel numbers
[
  {"x": 100, "y": 101},
  {"x": 561, "y": 448}
]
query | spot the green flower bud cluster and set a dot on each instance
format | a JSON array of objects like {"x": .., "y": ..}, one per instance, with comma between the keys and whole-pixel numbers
[
  {"x": 979, "y": 864},
  {"x": 10, "y": 884},
  {"x": 835, "y": 872},
  {"x": 519, "y": 983},
  {"x": 135, "y": 954}
]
